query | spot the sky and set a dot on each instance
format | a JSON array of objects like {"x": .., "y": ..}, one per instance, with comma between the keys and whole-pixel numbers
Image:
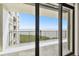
[{"x": 27, "y": 21}]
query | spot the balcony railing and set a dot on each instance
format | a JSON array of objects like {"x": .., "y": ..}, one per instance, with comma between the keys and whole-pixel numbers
[{"x": 16, "y": 37}]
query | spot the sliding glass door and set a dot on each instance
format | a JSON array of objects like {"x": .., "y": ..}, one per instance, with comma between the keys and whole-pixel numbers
[{"x": 45, "y": 29}]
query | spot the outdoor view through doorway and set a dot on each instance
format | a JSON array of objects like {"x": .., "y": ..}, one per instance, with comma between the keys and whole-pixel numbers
[{"x": 22, "y": 29}]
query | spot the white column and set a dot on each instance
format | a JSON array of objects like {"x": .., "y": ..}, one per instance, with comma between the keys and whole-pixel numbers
[
  {"x": 76, "y": 29},
  {"x": 5, "y": 29}
]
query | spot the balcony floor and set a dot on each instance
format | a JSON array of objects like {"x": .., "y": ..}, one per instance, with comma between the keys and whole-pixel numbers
[{"x": 47, "y": 48}]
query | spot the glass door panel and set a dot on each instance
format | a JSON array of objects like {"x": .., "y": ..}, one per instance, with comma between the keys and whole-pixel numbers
[
  {"x": 48, "y": 30},
  {"x": 67, "y": 30},
  {"x": 21, "y": 28}
]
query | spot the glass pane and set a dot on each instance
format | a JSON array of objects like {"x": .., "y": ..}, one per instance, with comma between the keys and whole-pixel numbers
[
  {"x": 67, "y": 30},
  {"x": 49, "y": 30},
  {"x": 21, "y": 29}
]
